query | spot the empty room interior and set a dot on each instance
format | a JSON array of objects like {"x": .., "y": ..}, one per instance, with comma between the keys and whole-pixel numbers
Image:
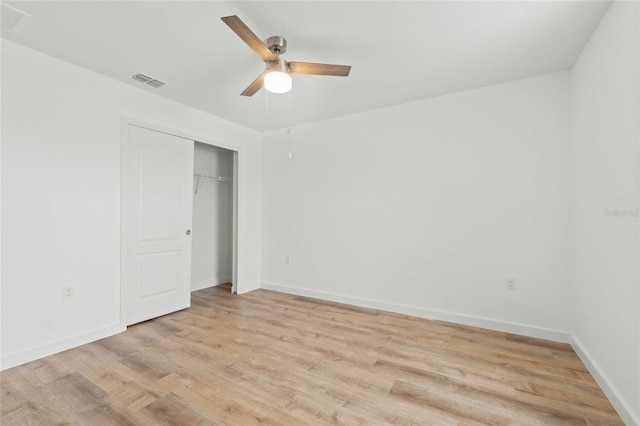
[{"x": 354, "y": 212}]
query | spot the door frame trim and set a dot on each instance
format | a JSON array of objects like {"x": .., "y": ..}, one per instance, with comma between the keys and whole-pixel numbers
[{"x": 238, "y": 195}]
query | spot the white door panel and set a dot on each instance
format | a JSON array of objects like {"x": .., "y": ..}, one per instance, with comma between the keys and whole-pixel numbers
[
  {"x": 158, "y": 273},
  {"x": 160, "y": 187},
  {"x": 159, "y": 207}
]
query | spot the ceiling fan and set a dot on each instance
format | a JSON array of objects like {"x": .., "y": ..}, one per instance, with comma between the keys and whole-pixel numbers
[{"x": 276, "y": 77}]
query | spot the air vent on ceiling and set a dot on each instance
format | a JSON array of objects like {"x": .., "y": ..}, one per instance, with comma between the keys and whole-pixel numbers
[
  {"x": 142, "y": 78},
  {"x": 155, "y": 83},
  {"x": 12, "y": 18}
]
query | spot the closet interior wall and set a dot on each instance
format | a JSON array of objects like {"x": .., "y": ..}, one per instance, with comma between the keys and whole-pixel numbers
[{"x": 212, "y": 242}]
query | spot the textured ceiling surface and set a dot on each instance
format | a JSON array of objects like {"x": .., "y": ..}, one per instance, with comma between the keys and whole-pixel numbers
[{"x": 400, "y": 51}]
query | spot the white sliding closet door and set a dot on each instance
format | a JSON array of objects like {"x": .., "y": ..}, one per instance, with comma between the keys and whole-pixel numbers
[{"x": 158, "y": 220}]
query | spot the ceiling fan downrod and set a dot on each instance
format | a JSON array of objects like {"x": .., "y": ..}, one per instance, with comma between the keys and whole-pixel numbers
[{"x": 277, "y": 44}]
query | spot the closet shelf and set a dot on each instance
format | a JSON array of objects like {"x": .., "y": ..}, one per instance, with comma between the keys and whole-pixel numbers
[{"x": 201, "y": 179}]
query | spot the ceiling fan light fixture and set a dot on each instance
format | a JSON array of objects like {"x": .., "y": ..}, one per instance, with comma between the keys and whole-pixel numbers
[
  {"x": 277, "y": 82},
  {"x": 277, "y": 78}
]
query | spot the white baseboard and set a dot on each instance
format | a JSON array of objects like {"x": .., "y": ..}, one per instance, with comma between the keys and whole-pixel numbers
[
  {"x": 618, "y": 402},
  {"x": 209, "y": 283},
  {"x": 248, "y": 288},
  {"x": 507, "y": 327},
  {"x": 22, "y": 357}
]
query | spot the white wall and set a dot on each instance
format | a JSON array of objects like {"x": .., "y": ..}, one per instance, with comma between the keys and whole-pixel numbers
[
  {"x": 212, "y": 244},
  {"x": 429, "y": 207},
  {"x": 605, "y": 93},
  {"x": 61, "y": 136}
]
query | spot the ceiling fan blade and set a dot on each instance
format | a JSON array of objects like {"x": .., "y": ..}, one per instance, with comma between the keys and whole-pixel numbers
[
  {"x": 319, "y": 69},
  {"x": 255, "y": 85},
  {"x": 248, "y": 36}
]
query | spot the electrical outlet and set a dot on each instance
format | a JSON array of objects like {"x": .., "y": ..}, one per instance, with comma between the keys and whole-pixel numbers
[
  {"x": 287, "y": 260},
  {"x": 67, "y": 293},
  {"x": 511, "y": 283}
]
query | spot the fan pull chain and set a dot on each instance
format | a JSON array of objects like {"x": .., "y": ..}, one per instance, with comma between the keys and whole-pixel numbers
[
  {"x": 289, "y": 137},
  {"x": 266, "y": 105}
]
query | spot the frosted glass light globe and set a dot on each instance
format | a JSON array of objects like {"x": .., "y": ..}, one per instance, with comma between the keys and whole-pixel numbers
[{"x": 277, "y": 82}]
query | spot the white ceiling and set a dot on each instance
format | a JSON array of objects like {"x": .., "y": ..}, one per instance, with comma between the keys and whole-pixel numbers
[{"x": 400, "y": 51}]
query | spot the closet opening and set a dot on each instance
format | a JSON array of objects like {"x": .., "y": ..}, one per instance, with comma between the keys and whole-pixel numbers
[{"x": 213, "y": 256}]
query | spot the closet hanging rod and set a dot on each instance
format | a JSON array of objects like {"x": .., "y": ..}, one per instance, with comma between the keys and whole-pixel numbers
[
  {"x": 201, "y": 179},
  {"x": 216, "y": 178}
]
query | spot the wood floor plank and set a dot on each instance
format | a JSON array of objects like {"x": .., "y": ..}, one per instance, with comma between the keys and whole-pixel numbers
[
  {"x": 272, "y": 358},
  {"x": 173, "y": 410}
]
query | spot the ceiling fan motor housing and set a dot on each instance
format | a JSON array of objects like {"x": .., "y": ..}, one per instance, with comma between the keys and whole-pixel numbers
[
  {"x": 277, "y": 44},
  {"x": 280, "y": 65}
]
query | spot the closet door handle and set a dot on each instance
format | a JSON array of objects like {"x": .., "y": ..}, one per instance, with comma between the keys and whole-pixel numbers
[{"x": 188, "y": 232}]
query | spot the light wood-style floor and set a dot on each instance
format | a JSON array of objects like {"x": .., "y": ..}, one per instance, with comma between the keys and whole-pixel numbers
[{"x": 272, "y": 358}]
